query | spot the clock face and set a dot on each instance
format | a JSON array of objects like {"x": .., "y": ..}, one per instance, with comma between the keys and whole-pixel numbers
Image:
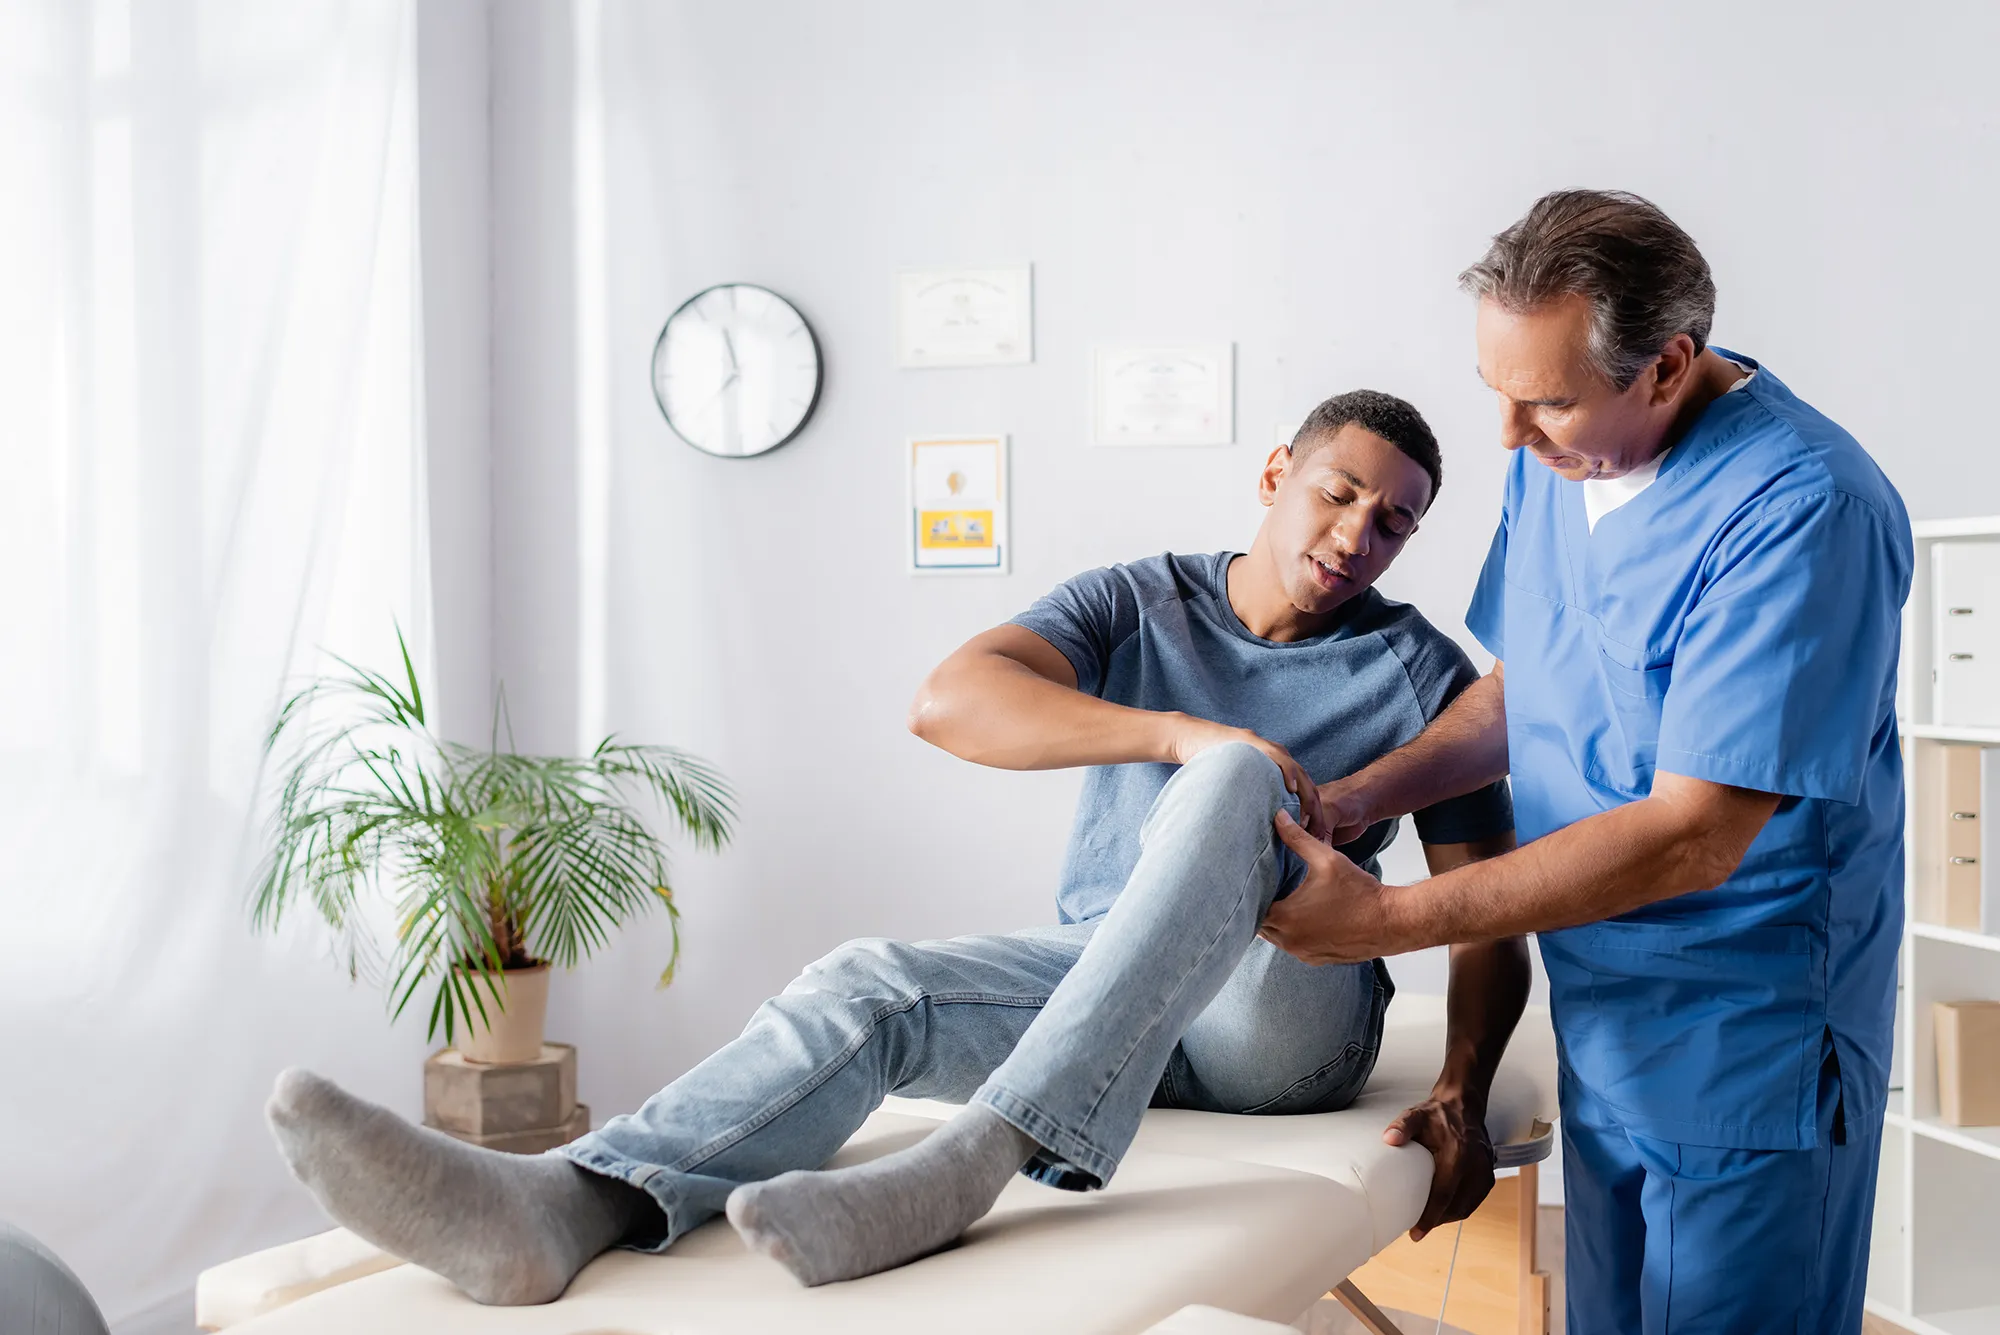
[{"x": 736, "y": 370}]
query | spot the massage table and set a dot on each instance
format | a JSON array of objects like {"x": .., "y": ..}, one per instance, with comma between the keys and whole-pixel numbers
[{"x": 1214, "y": 1224}]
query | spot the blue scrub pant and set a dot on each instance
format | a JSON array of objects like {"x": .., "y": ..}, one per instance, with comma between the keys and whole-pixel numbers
[{"x": 1664, "y": 1237}]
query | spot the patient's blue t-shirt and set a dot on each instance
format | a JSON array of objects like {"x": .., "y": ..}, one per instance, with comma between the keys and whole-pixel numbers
[{"x": 1160, "y": 634}]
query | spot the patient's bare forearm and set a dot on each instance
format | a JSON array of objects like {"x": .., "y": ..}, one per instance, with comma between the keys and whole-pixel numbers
[
  {"x": 1462, "y": 751},
  {"x": 1008, "y": 699},
  {"x": 1489, "y": 989},
  {"x": 1487, "y": 993}
]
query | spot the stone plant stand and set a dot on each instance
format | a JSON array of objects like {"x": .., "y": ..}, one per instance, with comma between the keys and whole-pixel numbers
[{"x": 522, "y": 1107}]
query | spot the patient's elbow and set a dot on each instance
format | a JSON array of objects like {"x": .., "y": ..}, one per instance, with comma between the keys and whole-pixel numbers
[{"x": 926, "y": 711}]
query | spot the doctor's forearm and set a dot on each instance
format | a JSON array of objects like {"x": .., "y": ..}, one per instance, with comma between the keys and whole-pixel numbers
[
  {"x": 1688, "y": 836},
  {"x": 1464, "y": 750}
]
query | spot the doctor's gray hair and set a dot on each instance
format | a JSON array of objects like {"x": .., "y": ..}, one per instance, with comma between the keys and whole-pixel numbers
[{"x": 1643, "y": 276}]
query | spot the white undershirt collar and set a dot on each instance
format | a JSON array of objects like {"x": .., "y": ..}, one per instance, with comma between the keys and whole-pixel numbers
[{"x": 1602, "y": 495}]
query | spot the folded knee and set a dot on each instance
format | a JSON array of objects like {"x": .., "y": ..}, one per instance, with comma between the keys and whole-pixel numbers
[
  {"x": 853, "y": 989},
  {"x": 1236, "y": 774},
  {"x": 871, "y": 965}
]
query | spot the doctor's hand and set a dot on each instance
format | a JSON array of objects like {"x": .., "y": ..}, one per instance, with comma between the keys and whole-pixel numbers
[
  {"x": 1337, "y": 915},
  {"x": 1453, "y": 1129}
]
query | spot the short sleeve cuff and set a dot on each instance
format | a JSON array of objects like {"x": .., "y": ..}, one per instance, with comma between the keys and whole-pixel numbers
[
  {"x": 1764, "y": 774},
  {"x": 1487, "y": 634},
  {"x": 1485, "y": 814},
  {"x": 1059, "y": 633}
]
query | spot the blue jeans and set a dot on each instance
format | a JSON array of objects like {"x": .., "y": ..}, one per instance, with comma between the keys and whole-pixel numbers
[{"x": 1069, "y": 1032}]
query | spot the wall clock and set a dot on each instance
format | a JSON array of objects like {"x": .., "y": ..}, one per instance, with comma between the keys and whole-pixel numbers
[{"x": 736, "y": 370}]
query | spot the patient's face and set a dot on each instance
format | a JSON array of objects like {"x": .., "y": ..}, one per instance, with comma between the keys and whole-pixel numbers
[{"x": 1340, "y": 513}]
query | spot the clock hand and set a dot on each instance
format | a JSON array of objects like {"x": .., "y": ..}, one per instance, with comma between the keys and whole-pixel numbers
[
  {"x": 730, "y": 345},
  {"x": 709, "y": 402}
]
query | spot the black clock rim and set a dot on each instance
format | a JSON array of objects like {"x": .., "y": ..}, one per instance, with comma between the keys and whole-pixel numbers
[{"x": 819, "y": 372}]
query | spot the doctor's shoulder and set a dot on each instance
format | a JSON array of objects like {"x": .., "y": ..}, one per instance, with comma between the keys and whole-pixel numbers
[
  {"x": 1784, "y": 465},
  {"x": 1791, "y": 451},
  {"x": 1826, "y": 513}
]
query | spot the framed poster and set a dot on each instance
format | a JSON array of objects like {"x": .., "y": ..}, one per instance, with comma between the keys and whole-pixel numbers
[
  {"x": 965, "y": 317},
  {"x": 1163, "y": 394},
  {"x": 958, "y": 505}
]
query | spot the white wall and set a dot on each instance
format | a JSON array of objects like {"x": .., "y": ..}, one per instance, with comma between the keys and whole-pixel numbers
[
  {"x": 454, "y": 167},
  {"x": 1303, "y": 179}
]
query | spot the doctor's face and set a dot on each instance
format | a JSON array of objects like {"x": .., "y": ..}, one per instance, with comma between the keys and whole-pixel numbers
[{"x": 1553, "y": 402}]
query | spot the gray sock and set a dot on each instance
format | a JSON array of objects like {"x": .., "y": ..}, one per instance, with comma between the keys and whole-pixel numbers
[
  {"x": 508, "y": 1229},
  {"x": 855, "y": 1221}
]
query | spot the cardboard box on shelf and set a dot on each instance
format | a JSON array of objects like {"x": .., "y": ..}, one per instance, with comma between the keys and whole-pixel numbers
[
  {"x": 1948, "y": 825},
  {"x": 1968, "y": 1061}
]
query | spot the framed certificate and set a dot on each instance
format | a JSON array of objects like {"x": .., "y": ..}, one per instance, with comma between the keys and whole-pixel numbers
[
  {"x": 965, "y": 317},
  {"x": 1161, "y": 394},
  {"x": 958, "y": 505}
]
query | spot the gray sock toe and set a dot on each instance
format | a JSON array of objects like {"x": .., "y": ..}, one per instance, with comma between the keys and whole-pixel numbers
[
  {"x": 856, "y": 1221},
  {"x": 507, "y": 1229}
]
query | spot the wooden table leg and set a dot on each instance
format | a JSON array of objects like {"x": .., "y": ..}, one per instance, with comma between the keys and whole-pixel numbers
[
  {"x": 1534, "y": 1281},
  {"x": 1367, "y": 1313}
]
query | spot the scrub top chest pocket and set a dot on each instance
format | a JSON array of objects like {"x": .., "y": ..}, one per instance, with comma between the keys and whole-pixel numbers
[{"x": 1635, "y": 692}]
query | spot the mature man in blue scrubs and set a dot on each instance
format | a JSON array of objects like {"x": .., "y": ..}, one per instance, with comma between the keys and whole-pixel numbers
[{"x": 1694, "y": 594}]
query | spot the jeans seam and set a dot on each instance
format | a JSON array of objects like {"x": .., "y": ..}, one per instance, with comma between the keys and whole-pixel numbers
[
  {"x": 1348, "y": 1054},
  {"x": 702, "y": 1153}
]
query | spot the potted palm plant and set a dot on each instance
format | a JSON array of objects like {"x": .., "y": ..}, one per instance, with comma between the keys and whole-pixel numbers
[{"x": 472, "y": 870}]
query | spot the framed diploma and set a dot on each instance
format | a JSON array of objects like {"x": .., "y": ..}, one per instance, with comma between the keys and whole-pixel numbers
[
  {"x": 1161, "y": 394},
  {"x": 965, "y": 317},
  {"x": 958, "y": 505}
]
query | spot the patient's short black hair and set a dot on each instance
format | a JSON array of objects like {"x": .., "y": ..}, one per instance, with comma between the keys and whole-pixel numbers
[{"x": 1393, "y": 419}]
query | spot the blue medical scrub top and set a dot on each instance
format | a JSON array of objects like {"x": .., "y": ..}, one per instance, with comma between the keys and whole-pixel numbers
[{"x": 1737, "y": 621}]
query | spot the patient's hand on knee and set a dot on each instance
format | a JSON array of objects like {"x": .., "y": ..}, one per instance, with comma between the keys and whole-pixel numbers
[{"x": 1192, "y": 736}]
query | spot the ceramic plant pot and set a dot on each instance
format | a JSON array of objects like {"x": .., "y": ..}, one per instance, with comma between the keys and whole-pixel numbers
[{"x": 512, "y": 1031}]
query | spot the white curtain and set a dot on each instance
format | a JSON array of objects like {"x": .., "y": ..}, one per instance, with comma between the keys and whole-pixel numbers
[{"x": 209, "y": 409}]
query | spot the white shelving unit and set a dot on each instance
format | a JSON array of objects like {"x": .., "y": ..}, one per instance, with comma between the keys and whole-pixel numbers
[{"x": 1935, "y": 1264}]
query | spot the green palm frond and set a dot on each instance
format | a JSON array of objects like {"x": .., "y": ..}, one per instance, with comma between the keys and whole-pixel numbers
[
  {"x": 480, "y": 860},
  {"x": 581, "y": 875},
  {"x": 696, "y": 791}
]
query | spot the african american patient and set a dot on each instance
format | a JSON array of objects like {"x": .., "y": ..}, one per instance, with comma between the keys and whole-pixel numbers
[{"x": 1206, "y": 697}]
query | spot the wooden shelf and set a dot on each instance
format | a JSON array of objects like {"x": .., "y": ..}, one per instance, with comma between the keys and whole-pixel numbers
[
  {"x": 1970, "y": 1321},
  {"x": 1957, "y": 936},
  {"x": 1926, "y": 530},
  {"x": 1981, "y": 1140},
  {"x": 1938, "y": 732}
]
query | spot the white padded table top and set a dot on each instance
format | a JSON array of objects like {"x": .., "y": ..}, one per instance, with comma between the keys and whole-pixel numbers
[
  {"x": 1252, "y": 1215},
  {"x": 1171, "y": 1231}
]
